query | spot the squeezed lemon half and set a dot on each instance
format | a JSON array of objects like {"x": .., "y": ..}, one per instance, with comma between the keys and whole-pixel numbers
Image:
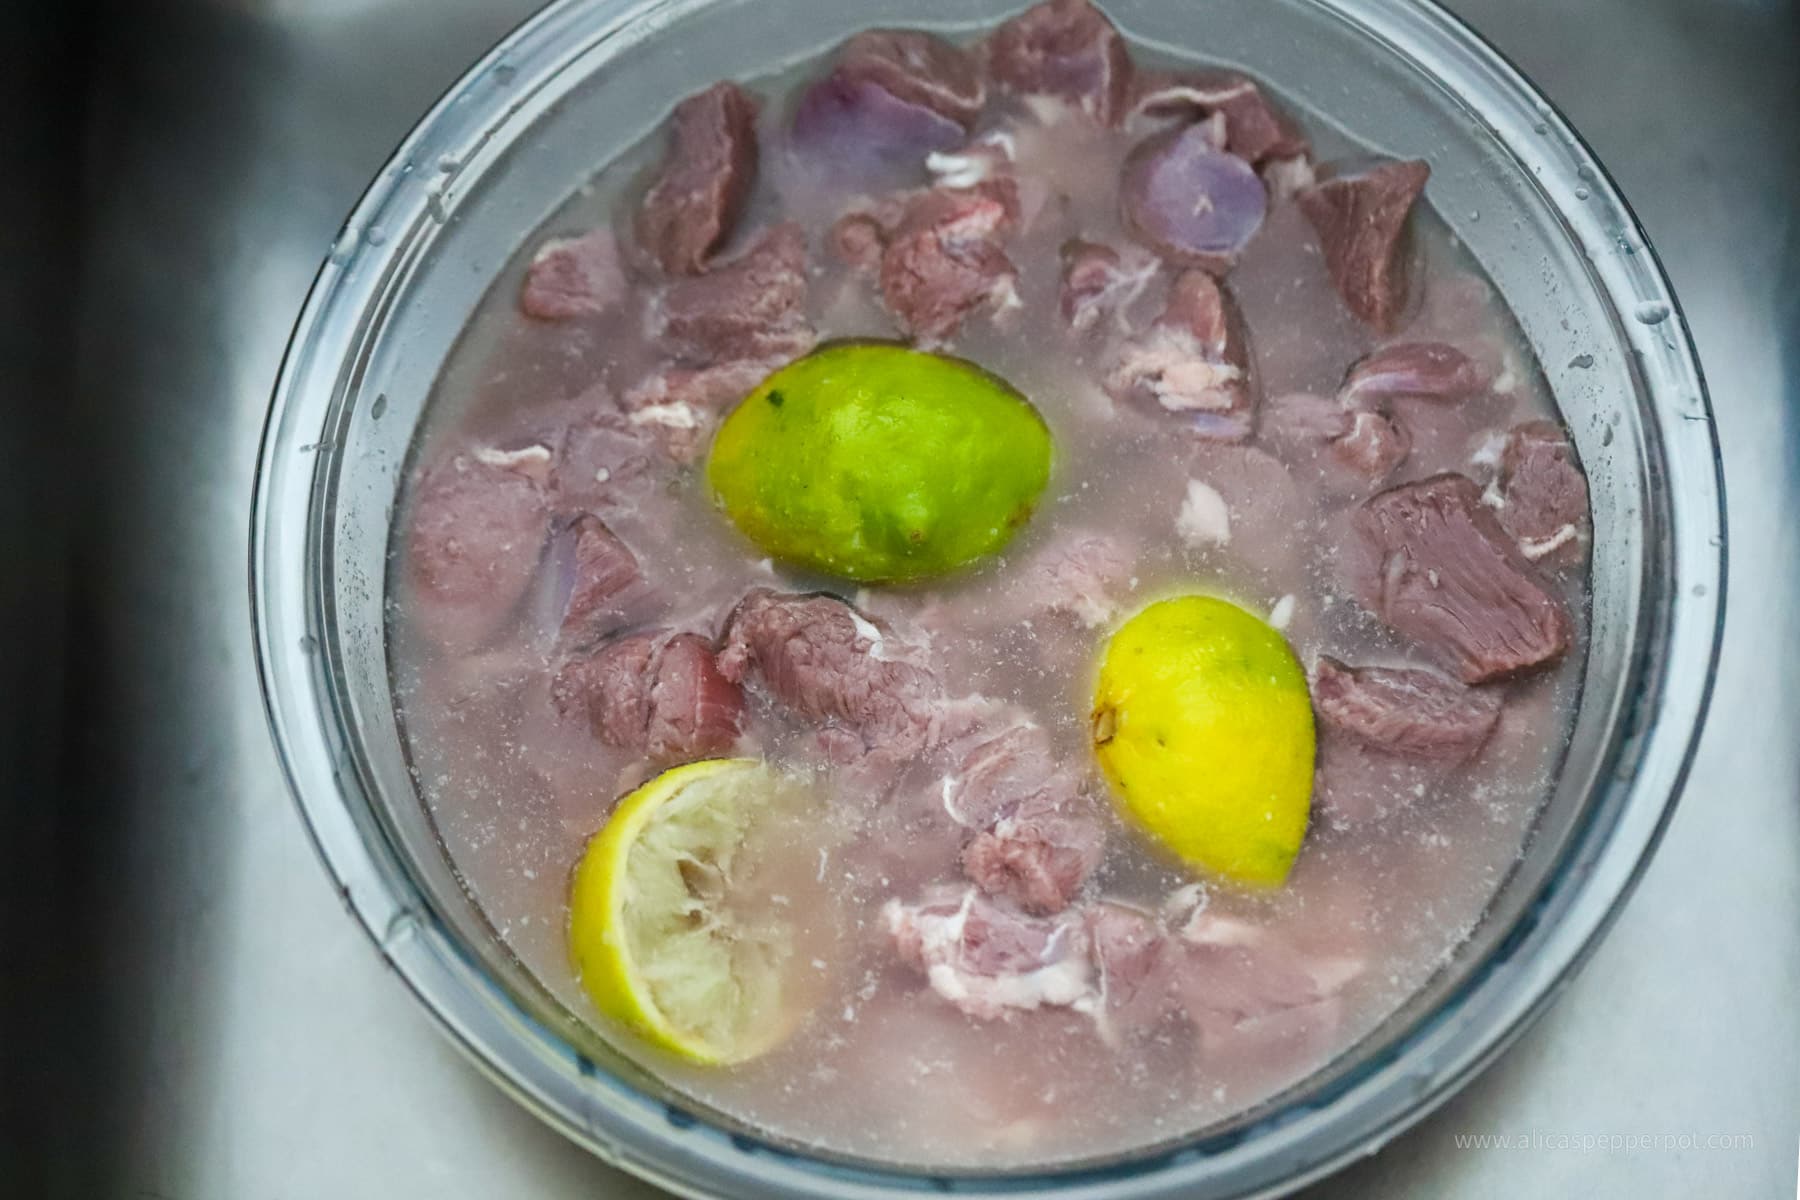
[
  {"x": 1203, "y": 725},
  {"x": 678, "y": 925}
]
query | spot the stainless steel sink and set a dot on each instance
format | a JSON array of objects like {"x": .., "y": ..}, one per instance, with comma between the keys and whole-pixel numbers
[{"x": 194, "y": 1016}]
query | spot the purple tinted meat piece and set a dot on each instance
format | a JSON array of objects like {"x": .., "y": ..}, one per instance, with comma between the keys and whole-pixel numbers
[
  {"x": 995, "y": 765},
  {"x": 753, "y": 307},
  {"x": 917, "y": 68},
  {"x": 596, "y": 580},
  {"x": 1436, "y": 565},
  {"x": 1387, "y": 735},
  {"x": 1041, "y": 852},
  {"x": 1192, "y": 362},
  {"x": 1373, "y": 446},
  {"x": 1134, "y": 967},
  {"x": 1098, "y": 282},
  {"x": 602, "y": 461},
  {"x": 694, "y": 710},
  {"x": 656, "y": 694},
  {"x": 1190, "y": 201},
  {"x": 1544, "y": 494},
  {"x": 1255, "y": 129},
  {"x": 942, "y": 262},
  {"x": 1427, "y": 370},
  {"x": 574, "y": 277},
  {"x": 828, "y": 663},
  {"x": 1405, "y": 711},
  {"x": 704, "y": 180},
  {"x": 987, "y": 958},
  {"x": 852, "y": 128},
  {"x": 478, "y": 526},
  {"x": 1067, "y": 49},
  {"x": 1249, "y": 990},
  {"x": 857, "y": 239},
  {"x": 1360, "y": 216},
  {"x": 611, "y": 689}
]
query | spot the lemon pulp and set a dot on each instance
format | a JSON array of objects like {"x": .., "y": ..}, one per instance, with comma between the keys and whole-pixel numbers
[{"x": 672, "y": 926}]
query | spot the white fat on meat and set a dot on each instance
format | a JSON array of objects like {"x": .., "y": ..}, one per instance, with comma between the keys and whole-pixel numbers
[
  {"x": 987, "y": 959},
  {"x": 1536, "y": 548},
  {"x": 531, "y": 461},
  {"x": 676, "y": 414},
  {"x": 1205, "y": 518}
]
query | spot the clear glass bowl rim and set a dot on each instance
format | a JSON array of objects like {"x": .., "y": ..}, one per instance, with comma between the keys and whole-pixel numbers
[{"x": 1313, "y": 1134}]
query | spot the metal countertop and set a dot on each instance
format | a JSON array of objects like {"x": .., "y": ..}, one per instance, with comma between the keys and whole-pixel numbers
[{"x": 229, "y": 1032}]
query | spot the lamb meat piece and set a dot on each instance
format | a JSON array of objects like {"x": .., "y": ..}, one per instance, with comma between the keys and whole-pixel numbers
[
  {"x": 1193, "y": 362},
  {"x": 858, "y": 239},
  {"x": 827, "y": 662},
  {"x": 602, "y": 462},
  {"x": 1099, "y": 282},
  {"x": 656, "y": 694},
  {"x": 1427, "y": 370},
  {"x": 477, "y": 530},
  {"x": 1387, "y": 735},
  {"x": 1066, "y": 49},
  {"x": 1434, "y": 563},
  {"x": 1079, "y": 574},
  {"x": 1041, "y": 852},
  {"x": 917, "y": 68},
  {"x": 850, "y": 130},
  {"x": 995, "y": 765},
  {"x": 1351, "y": 447},
  {"x": 1404, "y": 711},
  {"x": 1190, "y": 201},
  {"x": 1359, "y": 213},
  {"x": 987, "y": 958},
  {"x": 1134, "y": 968},
  {"x": 943, "y": 262},
  {"x": 704, "y": 180},
  {"x": 1255, "y": 130},
  {"x": 1544, "y": 494},
  {"x": 574, "y": 277},
  {"x": 594, "y": 584},
  {"x": 1248, "y": 990},
  {"x": 752, "y": 308}
]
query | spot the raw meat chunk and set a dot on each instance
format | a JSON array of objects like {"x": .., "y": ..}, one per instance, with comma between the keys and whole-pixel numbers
[
  {"x": 656, "y": 694},
  {"x": 986, "y": 957},
  {"x": 752, "y": 308},
  {"x": 1067, "y": 49},
  {"x": 1098, "y": 282},
  {"x": 1193, "y": 362},
  {"x": 1437, "y": 567},
  {"x": 827, "y": 662},
  {"x": 479, "y": 522},
  {"x": 1428, "y": 370},
  {"x": 1360, "y": 216},
  {"x": 704, "y": 180},
  {"x": 1134, "y": 967},
  {"x": 917, "y": 68},
  {"x": 1410, "y": 712},
  {"x": 1255, "y": 130},
  {"x": 574, "y": 277},
  {"x": 1544, "y": 494},
  {"x": 1234, "y": 976},
  {"x": 1192, "y": 202},
  {"x": 942, "y": 262},
  {"x": 594, "y": 584},
  {"x": 1041, "y": 852}
]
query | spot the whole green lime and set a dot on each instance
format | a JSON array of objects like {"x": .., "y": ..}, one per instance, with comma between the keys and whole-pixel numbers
[{"x": 880, "y": 463}]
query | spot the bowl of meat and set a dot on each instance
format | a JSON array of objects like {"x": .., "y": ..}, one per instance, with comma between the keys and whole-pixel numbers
[{"x": 874, "y": 598}]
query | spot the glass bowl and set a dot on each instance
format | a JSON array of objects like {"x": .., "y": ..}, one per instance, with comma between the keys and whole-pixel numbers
[{"x": 584, "y": 80}]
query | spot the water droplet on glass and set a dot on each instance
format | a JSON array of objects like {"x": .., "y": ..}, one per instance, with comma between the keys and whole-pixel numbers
[
  {"x": 375, "y": 235},
  {"x": 1606, "y": 436},
  {"x": 1540, "y": 128},
  {"x": 1699, "y": 589},
  {"x": 504, "y": 73},
  {"x": 1652, "y": 312},
  {"x": 449, "y": 163},
  {"x": 342, "y": 248},
  {"x": 1582, "y": 362},
  {"x": 1581, "y": 193},
  {"x": 434, "y": 205},
  {"x": 378, "y": 409},
  {"x": 1474, "y": 214},
  {"x": 309, "y": 644}
]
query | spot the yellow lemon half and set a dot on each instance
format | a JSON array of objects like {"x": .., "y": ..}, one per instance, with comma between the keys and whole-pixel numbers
[{"x": 1203, "y": 725}]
